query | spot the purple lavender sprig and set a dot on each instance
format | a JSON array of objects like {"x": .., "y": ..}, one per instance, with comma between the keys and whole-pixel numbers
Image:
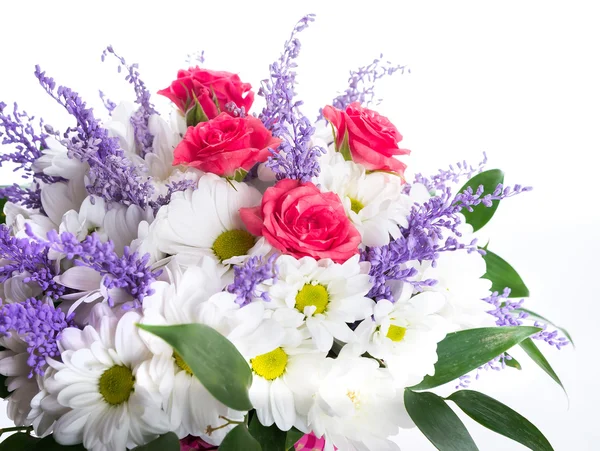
[
  {"x": 108, "y": 104},
  {"x": 29, "y": 257},
  {"x": 195, "y": 58},
  {"x": 39, "y": 324},
  {"x": 130, "y": 272},
  {"x": 249, "y": 276},
  {"x": 139, "y": 119},
  {"x": 295, "y": 158},
  {"x": 172, "y": 188},
  {"x": 438, "y": 182},
  {"x": 112, "y": 176},
  {"x": 361, "y": 84}
]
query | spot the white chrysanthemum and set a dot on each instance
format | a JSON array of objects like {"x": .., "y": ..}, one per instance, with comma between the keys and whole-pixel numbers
[
  {"x": 205, "y": 222},
  {"x": 323, "y": 294},
  {"x": 109, "y": 408},
  {"x": 13, "y": 365},
  {"x": 374, "y": 202},
  {"x": 356, "y": 405},
  {"x": 458, "y": 275},
  {"x": 405, "y": 334},
  {"x": 55, "y": 162},
  {"x": 194, "y": 295}
]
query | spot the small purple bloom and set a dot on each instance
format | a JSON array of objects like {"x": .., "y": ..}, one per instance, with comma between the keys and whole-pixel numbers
[{"x": 249, "y": 276}]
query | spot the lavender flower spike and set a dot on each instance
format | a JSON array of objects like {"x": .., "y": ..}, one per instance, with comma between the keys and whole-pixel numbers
[
  {"x": 295, "y": 158},
  {"x": 248, "y": 278},
  {"x": 40, "y": 325}
]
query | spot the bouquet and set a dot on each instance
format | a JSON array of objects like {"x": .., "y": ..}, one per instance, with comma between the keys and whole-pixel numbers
[{"x": 226, "y": 277}]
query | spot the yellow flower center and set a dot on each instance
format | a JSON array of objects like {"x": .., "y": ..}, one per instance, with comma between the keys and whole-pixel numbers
[
  {"x": 232, "y": 243},
  {"x": 270, "y": 365},
  {"x": 396, "y": 333},
  {"x": 356, "y": 205},
  {"x": 181, "y": 363},
  {"x": 116, "y": 385},
  {"x": 312, "y": 295},
  {"x": 353, "y": 396}
]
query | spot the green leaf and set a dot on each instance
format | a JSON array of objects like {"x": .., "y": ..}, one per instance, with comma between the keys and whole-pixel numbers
[
  {"x": 213, "y": 359},
  {"x": 270, "y": 438},
  {"x": 2, "y": 215},
  {"x": 292, "y": 437},
  {"x": 461, "y": 352},
  {"x": 239, "y": 439},
  {"x": 481, "y": 214},
  {"x": 503, "y": 275},
  {"x": 536, "y": 355},
  {"x": 166, "y": 442},
  {"x": 500, "y": 418},
  {"x": 513, "y": 363},
  {"x": 196, "y": 114},
  {"x": 240, "y": 175},
  {"x": 3, "y": 388},
  {"x": 344, "y": 148},
  {"x": 438, "y": 422},
  {"x": 22, "y": 441},
  {"x": 538, "y": 317}
]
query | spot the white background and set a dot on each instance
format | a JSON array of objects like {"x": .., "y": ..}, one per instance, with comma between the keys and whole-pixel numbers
[{"x": 519, "y": 80}]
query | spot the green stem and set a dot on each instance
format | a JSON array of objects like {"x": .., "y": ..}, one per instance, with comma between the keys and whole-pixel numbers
[{"x": 16, "y": 428}]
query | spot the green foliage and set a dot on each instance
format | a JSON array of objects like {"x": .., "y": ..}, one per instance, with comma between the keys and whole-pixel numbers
[{"x": 481, "y": 214}]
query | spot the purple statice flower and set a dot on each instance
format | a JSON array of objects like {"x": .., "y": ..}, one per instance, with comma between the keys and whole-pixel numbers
[
  {"x": 550, "y": 337},
  {"x": 249, "y": 276},
  {"x": 361, "y": 83},
  {"x": 389, "y": 263},
  {"x": 28, "y": 257},
  {"x": 172, "y": 188},
  {"x": 295, "y": 158},
  {"x": 139, "y": 119},
  {"x": 438, "y": 182},
  {"x": 232, "y": 109},
  {"x": 131, "y": 272},
  {"x": 108, "y": 104},
  {"x": 30, "y": 197},
  {"x": 112, "y": 176},
  {"x": 39, "y": 324}
]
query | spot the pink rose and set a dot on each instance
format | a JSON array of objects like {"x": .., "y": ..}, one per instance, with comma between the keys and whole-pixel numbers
[
  {"x": 225, "y": 144},
  {"x": 208, "y": 86},
  {"x": 372, "y": 138},
  {"x": 298, "y": 219},
  {"x": 191, "y": 443}
]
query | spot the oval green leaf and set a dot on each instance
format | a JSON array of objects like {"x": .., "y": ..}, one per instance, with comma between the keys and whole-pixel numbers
[
  {"x": 213, "y": 359},
  {"x": 513, "y": 363},
  {"x": 270, "y": 438},
  {"x": 21, "y": 441},
  {"x": 461, "y": 352},
  {"x": 292, "y": 437},
  {"x": 166, "y": 442},
  {"x": 481, "y": 214},
  {"x": 502, "y": 275},
  {"x": 500, "y": 418},
  {"x": 239, "y": 439},
  {"x": 538, "y": 317},
  {"x": 438, "y": 422},
  {"x": 536, "y": 355}
]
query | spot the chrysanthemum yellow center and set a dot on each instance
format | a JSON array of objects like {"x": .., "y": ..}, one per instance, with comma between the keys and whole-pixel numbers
[
  {"x": 396, "y": 333},
  {"x": 312, "y": 295},
  {"x": 270, "y": 365},
  {"x": 356, "y": 205},
  {"x": 232, "y": 243},
  {"x": 116, "y": 385},
  {"x": 353, "y": 396},
  {"x": 181, "y": 363}
]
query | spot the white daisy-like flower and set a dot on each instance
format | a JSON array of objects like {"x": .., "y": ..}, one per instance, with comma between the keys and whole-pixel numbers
[
  {"x": 194, "y": 295},
  {"x": 13, "y": 365},
  {"x": 322, "y": 294},
  {"x": 356, "y": 405},
  {"x": 374, "y": 202},
  {"x": 458, "y": 275},
  {"x": 109, "y": 409},
  {"x": 55, "y": 162},
  {"x": 205, "y": 222},
  {"x": 405, "y": 334}
]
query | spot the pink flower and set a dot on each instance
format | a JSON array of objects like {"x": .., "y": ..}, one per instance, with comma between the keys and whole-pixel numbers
[
  {"x": 225, "y": 144},
  {"x": 298, "y": 219},
  {"x": 191, "y": 443},
  {"x": 372, "y": 138},
  {"x": 208, "y": 86},
  {"x": 310, "y": 443}
]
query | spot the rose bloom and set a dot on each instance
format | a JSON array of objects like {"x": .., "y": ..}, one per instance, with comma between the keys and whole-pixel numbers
[
  {"x": 225, "y": 144},
  {"x": 204, "y": 84},
  {"x": 298, "y": 219},
  {"x": 372, "y": 138}
]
